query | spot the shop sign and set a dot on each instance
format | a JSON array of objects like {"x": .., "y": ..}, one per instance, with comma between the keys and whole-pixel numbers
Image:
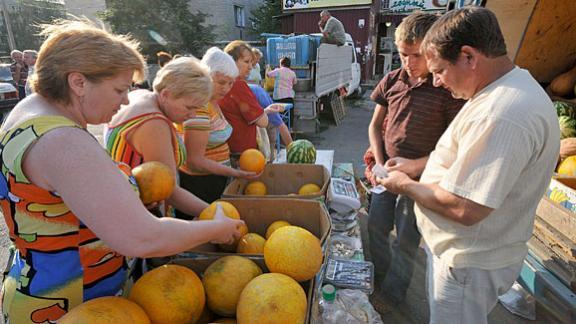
[
  {"x": 307, "y": 4},
  {"x": 405, "y": 6}
]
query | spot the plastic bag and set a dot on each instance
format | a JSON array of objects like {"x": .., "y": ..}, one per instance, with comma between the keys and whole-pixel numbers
[
  {"x": 519, "y": 302},
  {"x": 263, "y": 143},
  {"x": 357, "y": 306}
]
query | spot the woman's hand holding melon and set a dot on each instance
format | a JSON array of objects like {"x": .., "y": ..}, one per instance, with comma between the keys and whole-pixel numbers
[{"x": 230, "y": 227}]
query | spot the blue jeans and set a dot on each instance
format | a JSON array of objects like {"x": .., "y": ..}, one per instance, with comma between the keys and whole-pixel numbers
[{"x": 393, "y": 261}]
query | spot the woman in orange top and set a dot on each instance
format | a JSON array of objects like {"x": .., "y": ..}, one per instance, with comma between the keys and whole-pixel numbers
[{"x": 72, "y": 214}]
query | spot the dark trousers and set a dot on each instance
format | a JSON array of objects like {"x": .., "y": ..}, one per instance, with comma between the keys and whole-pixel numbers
[
  {"x": 208, "y": 188},
  {"x": 21, "y": 92},
  {"x": 393, "y": 261}
]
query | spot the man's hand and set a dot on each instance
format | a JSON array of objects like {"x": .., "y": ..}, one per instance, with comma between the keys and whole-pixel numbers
[
  {"x": 395, "y": 181},
  {"x": 413, "y": 168}
]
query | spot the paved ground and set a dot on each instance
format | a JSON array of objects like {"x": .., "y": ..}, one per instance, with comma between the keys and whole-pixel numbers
[{"x": 350, "y": 140}]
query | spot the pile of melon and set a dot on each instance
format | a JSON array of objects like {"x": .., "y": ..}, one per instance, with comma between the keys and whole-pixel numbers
[
  {"x": 233, "y": 288},
  {"x": 258, "y": 188}
]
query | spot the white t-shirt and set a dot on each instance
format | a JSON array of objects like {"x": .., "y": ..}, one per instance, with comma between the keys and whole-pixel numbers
[{"x": 499, "y": 152}]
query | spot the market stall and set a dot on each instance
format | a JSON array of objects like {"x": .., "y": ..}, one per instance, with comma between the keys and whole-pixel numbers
[{"x": 540, "y": 37}]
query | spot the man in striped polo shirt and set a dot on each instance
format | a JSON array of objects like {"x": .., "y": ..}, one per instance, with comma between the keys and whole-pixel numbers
[{"x": 410, "y": 116}]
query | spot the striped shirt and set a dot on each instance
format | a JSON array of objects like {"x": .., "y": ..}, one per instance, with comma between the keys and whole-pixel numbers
[
  {"x": 416, "y": 116},
  {"x": 285, "y": 80},
  {"x": 210, "y": 120},
  {"x": 120, "y": 149}
]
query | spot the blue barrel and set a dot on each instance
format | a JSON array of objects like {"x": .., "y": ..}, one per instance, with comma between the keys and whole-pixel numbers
[{"x": 300, "y": 49}]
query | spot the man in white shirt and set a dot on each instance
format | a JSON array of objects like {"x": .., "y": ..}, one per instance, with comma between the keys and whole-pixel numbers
[
  {"x": 30, "y": 61},
  {"x": 476, "y": 199}
]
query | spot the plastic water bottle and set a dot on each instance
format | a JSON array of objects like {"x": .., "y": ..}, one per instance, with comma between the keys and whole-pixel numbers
[{"x": 331, "y": 313}]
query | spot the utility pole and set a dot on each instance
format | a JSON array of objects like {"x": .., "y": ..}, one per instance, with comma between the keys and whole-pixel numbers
[{"x": 11, "y": 41}]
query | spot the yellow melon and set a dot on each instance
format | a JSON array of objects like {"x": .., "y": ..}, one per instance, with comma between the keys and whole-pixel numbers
[
  {"x": 230, "y": 211},
  {"x": 272, "y": 298},
  {"x": 309, "y": 189},
  {"x": 155, "y": 180},
  {"x": 225, "y": 321},
  {"x": 255, "y": 188},
  {"x": 170, "y": 294},
  {"x": 225, "y": 279},
  {"x": 251, "y": 243},
  {"x": 106, "y": 310},
  {"x": 293, "y": 251},
  {"x": 568, "y": 166},
  {"x": 228, "y": 208},
  {"x": 252, "y": 160},
  {"x": 274, "y": 226}
]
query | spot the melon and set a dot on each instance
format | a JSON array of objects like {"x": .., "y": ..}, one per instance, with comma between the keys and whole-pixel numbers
[
  {"x": 225, "y": 279},
  {"x": 272, "y": 298},
  {"x": 230, "y": 211},
  {"x": 274, "y": 226},
  {"x": 293, "y": 251},
  {"x": 251, "y": 243},
  {"x": 170, "y": 294},
  {"x": 255, "y": 188},
  {"x": 568, "y": 166},
  {"x": 104, "y": 310},
  {"x": 252, "y": 160},
  {"x": 301, "y": 151},
  {"x": 155, "y": 180},
  {"x": 309, "y": 189}
]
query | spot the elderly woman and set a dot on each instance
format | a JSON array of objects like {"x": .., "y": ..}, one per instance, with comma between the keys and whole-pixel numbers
[
  {"x": 71, "y": 212},
  {"x": 207, "y": 167},
  {"x": 239, "y": 106},
  {"x": 144, "y": 129}
]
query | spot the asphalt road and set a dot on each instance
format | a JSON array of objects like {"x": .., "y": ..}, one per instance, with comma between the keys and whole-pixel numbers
[{"x": 350, "y": 140}]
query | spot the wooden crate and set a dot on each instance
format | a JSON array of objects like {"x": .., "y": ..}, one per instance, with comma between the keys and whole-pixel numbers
[
  {"x": 540, "y": 34},
  {"x": 557, "y": 217}
]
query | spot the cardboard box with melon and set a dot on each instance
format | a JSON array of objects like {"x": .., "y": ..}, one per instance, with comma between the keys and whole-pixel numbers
[
  {"x": 299, "y": 178},
  {"x": 264, "y": 290},
  {"x": 562, "y": 188}
]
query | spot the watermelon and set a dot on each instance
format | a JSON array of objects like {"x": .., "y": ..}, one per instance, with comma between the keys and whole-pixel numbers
[
  {"x": 301, "y": 151},
  {"x": 567, "y": 127},
  {"x": 564, "y": 109}
]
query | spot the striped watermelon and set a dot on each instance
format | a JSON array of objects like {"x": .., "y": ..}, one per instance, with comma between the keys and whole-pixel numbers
[{"x": 301, "y": 151}]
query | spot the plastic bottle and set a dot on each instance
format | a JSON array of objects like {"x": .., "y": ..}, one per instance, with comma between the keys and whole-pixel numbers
[{"x": 331, "y": 313}]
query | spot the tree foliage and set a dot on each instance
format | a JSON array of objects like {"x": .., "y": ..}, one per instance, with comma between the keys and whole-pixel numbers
[
  {"x": 26, "y": 18},
  {"x": 262, "y": 20},
  {"x": 184, "y": 32}
]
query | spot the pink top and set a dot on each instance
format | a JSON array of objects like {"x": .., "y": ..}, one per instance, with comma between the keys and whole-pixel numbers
[{"x": 285, "y": 80}]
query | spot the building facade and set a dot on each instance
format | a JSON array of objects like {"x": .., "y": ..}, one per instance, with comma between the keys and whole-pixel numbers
[
  {"x": 231, "y": 17},
  {"x": 86, "y": 8}
]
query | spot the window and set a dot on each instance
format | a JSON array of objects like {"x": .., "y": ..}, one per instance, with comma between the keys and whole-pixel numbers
[{"x": 239, "y": 16}]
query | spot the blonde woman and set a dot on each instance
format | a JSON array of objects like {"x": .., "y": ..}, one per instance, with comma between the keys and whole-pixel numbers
[
  {"x": 144, "y": 129},
  {"x": 207, "y": 167},
  {"x": 71, "y": 212}
]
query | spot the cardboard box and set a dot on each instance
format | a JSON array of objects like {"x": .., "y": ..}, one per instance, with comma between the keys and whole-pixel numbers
[
  {"x": 281, "y": 180},
  {"x": 260, "y": 213},
  {"x": 200, "y": 265},
  {"x": 560, "y": 191}
]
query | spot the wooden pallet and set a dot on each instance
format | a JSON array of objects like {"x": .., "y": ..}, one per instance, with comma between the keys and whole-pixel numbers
[{"x": 338, "y": 108}]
